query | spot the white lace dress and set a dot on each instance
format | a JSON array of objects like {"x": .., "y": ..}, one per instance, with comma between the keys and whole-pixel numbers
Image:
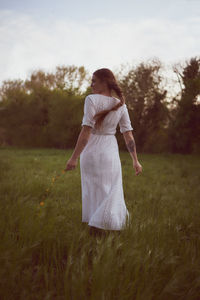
[{"x": 103, "y": 204}]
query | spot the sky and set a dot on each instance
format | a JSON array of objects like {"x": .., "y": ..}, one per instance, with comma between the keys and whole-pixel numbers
[{"x": 41, "y": 34}]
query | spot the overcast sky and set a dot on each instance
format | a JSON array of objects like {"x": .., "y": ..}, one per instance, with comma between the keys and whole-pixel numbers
[{"x": 46, "y": 33}]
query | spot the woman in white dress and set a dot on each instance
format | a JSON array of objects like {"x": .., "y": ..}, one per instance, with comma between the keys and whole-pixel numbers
[{"x": 103, "y": 204}]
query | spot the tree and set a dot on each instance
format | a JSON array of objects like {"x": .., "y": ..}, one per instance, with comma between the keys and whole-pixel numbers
[
  {"x": 185, "y": 126},
  {"x": 10, "y": 91},
  {"x": 67, "y": 78},
  {"x": 146, "y": 101},
  {"x": 71, "y": 78}
]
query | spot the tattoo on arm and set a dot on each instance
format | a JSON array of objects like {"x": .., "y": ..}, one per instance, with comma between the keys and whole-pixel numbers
[{"x": 131, "y": 146}]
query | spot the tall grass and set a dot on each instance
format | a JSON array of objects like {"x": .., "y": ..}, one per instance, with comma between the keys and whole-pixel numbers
[{"x": 46, "y": 252}]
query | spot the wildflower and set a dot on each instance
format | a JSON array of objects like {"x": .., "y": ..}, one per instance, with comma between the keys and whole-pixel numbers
[{"x": 47, "y": 190}]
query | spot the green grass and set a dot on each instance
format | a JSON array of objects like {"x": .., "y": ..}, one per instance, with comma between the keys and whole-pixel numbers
[{"x": 46, "y": 252}]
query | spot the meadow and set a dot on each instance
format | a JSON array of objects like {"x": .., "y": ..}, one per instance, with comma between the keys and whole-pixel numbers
[{"x": 46, "y": 252}]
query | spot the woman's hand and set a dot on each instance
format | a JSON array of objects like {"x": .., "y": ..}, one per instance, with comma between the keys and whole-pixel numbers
[
  {"x": 137, "y": 166},
  {"x": 71, "y": 164},
  {"x": 80, "y": 145}
]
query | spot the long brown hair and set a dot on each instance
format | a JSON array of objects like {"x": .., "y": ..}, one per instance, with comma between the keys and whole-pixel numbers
[{"x": 106, "y": 75}]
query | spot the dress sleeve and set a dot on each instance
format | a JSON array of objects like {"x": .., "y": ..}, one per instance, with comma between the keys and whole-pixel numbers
[
  {"x": 125, "y": 122},
  {"x": 89, "y": 112}
]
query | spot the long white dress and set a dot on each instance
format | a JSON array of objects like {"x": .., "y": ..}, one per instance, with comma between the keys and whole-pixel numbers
[{"x": 103, "y": 204}]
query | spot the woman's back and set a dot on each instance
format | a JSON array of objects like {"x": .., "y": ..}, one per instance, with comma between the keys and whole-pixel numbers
[{"x": 95, "y": 103}]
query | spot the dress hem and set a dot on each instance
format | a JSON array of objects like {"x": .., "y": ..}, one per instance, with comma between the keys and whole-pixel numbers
[{"x": 94, "y": 225}]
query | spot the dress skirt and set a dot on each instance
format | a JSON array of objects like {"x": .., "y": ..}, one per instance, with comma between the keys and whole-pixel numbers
[{"x": 103, "y": 204}]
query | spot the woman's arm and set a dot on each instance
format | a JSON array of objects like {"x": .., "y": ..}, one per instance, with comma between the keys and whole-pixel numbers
[
  {"x": 130, "y": 144},
  {"x": 80, "y": 145},
  {"x": 81, "y": 141}
]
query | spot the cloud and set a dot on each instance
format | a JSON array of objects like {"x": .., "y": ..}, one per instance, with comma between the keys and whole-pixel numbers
[{"x": 28, "y": 43}]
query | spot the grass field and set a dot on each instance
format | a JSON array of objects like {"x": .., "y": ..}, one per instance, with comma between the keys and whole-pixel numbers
[{"x": 46, "y": 252}]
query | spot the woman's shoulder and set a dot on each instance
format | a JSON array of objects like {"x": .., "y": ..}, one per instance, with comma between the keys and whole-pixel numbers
[
  {"x": 91, "y": 97},
  {"x": 102, "y": 96},
  {"x": 98, "y": 98}
]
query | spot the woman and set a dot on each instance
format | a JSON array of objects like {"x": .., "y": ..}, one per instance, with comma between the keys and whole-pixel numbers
[{"x": 103, "y": 205}]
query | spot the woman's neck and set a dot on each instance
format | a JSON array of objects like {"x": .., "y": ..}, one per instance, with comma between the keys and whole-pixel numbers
[{"x": 106, "y": 94}]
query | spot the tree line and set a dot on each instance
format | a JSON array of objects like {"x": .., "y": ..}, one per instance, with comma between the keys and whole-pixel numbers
[{"x": 46, "y": 109}]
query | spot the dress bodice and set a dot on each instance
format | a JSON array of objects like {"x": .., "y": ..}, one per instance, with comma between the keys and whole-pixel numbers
[{"x": 95, "y": 103}]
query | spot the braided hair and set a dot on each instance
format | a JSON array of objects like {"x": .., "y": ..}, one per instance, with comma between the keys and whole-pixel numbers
[{"x": 106, "y": 75}]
